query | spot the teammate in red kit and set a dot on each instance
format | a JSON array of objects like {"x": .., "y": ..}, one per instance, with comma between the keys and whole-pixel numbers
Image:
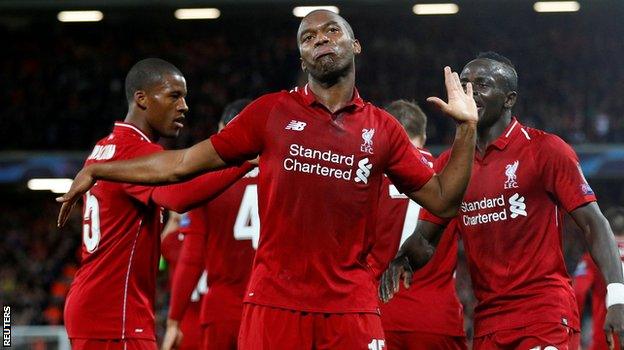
[
  {"x": 172, "y": 239},
  {"x": 220, "y": 238},
  {"x": 588, "y": 280},
  {"x": 323, "y": 152},
  {"x": 510, "y": 221},
  {"x": 432, "y": 289},
  {"x": 110, "y": 304}
]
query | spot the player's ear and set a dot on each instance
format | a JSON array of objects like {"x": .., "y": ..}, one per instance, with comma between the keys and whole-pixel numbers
[
  {"x": 303, "y": 65},
  {"x": 510, "y": 99},
  {"x": 140, "y": 98},
  {"x": 357, "y": 48}
]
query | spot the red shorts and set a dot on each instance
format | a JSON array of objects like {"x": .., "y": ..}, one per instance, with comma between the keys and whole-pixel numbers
[
  {"x": 268, "y": 328},
  {"x": 397, "y": 340},
  {"x": 220, "y": 335},
  {"x": 539, "y": 336},
  {"x": 113, "y": 344}
]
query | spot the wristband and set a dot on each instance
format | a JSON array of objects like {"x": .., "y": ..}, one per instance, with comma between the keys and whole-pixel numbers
[{"x": 615, "y": 294}]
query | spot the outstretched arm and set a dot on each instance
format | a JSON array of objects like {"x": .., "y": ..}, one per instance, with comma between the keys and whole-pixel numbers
[
  {"x": 442, "y": 194},
  {"x": 604, "y": 252},
  {"x": 414, "y": 253},
  {"x": 156, "y": 168}
]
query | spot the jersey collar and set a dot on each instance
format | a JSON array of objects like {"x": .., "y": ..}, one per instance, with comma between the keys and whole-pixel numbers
[
  {"x": 127, "y": 127},
  {"x": 310, "y": 99},
  {"x": 513, "y": 129}
]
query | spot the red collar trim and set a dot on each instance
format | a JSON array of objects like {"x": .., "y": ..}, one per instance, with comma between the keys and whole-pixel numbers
[{"x": 309, "y": 98}]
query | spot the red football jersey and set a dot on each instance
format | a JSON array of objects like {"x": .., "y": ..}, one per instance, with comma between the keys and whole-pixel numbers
[
  {"x": 319, "y": 185},
  {"x": 228, "y": 228},
  {"x": 510, "y": 221},
  {"x": 112, "y": 295},
  {"x": 432, "y": 291},
  {"x": 171, "y": 246},
  {"x": 589, "y": 279}
]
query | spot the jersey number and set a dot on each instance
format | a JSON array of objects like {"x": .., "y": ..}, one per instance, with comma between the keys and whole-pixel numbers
[
  {"x": 411, "y": 216},
  {"x": 377, "y": 344},
  {"x": 91, "y": 223},
  {"x": 247, "y": 225}
]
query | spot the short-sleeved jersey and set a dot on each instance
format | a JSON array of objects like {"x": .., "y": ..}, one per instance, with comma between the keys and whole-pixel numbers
[
  {"x": 170, "y": 248},
  {"x": 589, "y": 280},
  {"x": 112, "y": 295},
  {"x": 432, "y": 291},
  {"x": 510, "y": 221},
  {"x": 229, "y": 226},
  {"x": 318, "y": 189}
]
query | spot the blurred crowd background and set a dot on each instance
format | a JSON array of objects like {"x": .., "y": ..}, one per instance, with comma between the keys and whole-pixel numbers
[{"x": 61, "y": 88}]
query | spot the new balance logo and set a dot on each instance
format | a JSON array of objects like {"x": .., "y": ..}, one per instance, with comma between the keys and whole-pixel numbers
[
  {"x": 363, "y": 172},
  {"x": 295, "y": 125},
  {"x": 517, "y": 206}
]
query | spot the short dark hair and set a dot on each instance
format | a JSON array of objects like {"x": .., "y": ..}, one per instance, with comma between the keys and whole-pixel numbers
[
  {"x": 147, "y": 73},
  {"x": 344, "y": 21},
  {"x": 411, "y": 117},
  {"x": 510, "y": 70},
  {"x": 615, "y": 216},
  {"x": 233, "y": 109}
]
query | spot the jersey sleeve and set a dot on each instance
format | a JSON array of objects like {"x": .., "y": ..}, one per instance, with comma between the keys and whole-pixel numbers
[
  {"x": 243, "y": 138},
  {"x": 141, "y": 193},
  {"x": 407, "y": 168},
  {"x": 562, "y": 175},
  {"x": 190, "y": 264},
  {"x": 186, "y": 195}
]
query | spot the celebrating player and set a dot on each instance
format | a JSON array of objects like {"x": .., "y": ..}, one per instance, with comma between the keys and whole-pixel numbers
[
  {"x": 110, "y": 304},
  {"x": 510, "y": 221},
  {"x": 587, "y": 279},
  {"x": 218, "y": 239},
  {"x": 323, "y": 151},
  {"x": 432, "y": 289}
]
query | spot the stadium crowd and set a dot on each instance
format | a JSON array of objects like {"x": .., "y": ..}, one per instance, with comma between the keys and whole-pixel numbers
[{"x": 63, "y": 86}]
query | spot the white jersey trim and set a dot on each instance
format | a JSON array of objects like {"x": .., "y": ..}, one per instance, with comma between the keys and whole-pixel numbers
[
  {"x": 125, "y": 295},
  {"x": 137, "y": 130},
  {"x": 511, "y": 129}
]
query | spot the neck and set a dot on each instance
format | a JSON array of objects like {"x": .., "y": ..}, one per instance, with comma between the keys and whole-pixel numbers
[
  {"x": 335, "y": 94},
  {"x": 486, "y": 136},
  {"x": 137, "y": 119},
  {"x": 418, "y": 142}
]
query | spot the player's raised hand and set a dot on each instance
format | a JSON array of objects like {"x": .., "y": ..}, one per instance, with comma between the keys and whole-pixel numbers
[
  {"x": 614, "y": 324},
  {"x": 398, "y": 269},
  {"x": 461, "y": 105},
  {"x": 82, "y": 183},
  {"x": 173, "y": 336}
]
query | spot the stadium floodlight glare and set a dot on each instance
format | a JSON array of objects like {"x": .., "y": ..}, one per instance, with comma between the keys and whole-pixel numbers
[
  {"x": 302, "y": 11},
  {"x": 54, "y": 185},
  {"x": 80, "y": 16},
  {"x": 198, "y": 13},
  {"x": 435, "y": 9},
  {"x": 556, "y": 6}
]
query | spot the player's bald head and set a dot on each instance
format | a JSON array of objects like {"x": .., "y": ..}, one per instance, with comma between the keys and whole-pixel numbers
[
  {"x": 233, "y": 109},
  {"x": 324, "y": 15},
  {"x": 147, "y": 73}
]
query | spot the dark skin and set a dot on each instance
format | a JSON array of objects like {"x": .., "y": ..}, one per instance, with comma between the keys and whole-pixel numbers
[
  {"x": 332, "y": 79},
  {"x": 159, "y": 110},
  {"x": 495, "y": 101}
]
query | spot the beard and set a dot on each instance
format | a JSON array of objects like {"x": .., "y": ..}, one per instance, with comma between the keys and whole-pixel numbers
[{"x": 329, "y": 69}]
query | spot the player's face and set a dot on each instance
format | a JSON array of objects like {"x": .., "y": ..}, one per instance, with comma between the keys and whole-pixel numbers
[
  {"x": 490, "y": 89},
  {"x": 166, "y": 105},
  {"x": 325, "y": 45}
]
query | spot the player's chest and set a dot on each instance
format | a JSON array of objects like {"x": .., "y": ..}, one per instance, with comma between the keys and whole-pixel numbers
[{"x": 502, "y": 188}]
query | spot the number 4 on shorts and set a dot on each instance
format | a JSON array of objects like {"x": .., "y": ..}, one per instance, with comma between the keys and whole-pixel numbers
[{"x": 377, "y": 344}]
